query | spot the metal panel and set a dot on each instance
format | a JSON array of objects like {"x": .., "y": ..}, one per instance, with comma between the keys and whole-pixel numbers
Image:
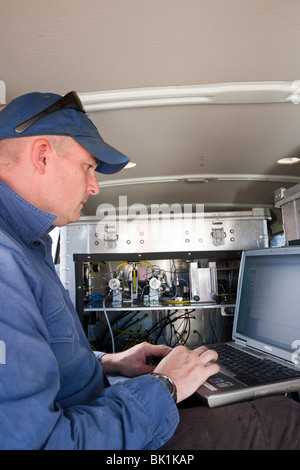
[
  {"x": 289, "y": 202},
  {"x": 173, "y": 232}
]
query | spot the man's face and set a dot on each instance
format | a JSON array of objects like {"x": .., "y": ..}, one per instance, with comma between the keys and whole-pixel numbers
[{"x": 73, "y": 181}]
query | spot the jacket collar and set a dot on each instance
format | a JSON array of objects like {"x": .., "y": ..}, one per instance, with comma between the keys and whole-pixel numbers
[{"x": 28, "y": 221}]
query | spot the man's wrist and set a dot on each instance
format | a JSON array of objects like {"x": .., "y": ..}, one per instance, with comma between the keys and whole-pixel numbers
[
  {"x": 107, "y": 362},
  {"x": 100, "y": 356},
  {"x": 168, "y": 383}
]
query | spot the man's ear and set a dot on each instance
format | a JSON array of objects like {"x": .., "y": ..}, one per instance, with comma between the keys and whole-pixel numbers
[{"x": 40, "y": 155}]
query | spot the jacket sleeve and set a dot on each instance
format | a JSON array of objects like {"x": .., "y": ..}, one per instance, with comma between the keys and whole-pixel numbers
[{"x": 136, "y": 414}]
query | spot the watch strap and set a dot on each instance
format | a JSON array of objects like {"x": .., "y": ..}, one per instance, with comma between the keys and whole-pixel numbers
[{"x": 168, "y": 383}]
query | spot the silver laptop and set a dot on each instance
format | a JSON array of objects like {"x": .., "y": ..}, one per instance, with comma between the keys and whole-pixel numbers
[{"x": 266, "y": 329}]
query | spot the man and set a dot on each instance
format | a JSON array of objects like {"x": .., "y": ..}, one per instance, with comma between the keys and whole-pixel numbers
[{"x": 54, "y": 393}]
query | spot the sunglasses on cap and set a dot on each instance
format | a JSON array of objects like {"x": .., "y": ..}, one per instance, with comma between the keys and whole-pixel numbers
[{"x": 70, "y": 100}]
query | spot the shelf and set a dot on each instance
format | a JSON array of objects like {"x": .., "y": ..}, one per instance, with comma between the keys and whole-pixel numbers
[{"x": 158, "y": 306}]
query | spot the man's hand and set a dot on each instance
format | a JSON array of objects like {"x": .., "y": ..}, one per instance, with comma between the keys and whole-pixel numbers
[
  {"x": 135, "y": 361},
  {"x": 188, "y": 368}
]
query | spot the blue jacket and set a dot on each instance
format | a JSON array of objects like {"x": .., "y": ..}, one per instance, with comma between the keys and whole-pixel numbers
[{"x": 53, "y": 391}]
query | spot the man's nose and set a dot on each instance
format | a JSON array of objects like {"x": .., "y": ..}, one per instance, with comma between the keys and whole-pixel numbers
[{"x": 93, "y": 184}]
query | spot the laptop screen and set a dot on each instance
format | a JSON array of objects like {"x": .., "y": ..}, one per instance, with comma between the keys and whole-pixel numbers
[{"x": 268, "y": 301}]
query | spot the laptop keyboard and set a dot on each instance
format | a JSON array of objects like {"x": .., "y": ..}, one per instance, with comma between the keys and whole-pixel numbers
[{"x": 252, "y": 370}]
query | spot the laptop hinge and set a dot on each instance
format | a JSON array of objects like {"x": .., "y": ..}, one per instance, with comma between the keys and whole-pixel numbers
[{"x": 241, "y": 342}]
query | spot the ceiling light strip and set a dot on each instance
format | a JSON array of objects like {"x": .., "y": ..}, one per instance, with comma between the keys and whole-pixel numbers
[
  {"x": 204, "y": 178},
  {"x": 2, "y": 93},
  {"x": 220, "y": 93}
]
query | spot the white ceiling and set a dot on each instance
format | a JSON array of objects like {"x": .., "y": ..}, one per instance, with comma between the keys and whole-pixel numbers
[{"x": 98, "y": 45}]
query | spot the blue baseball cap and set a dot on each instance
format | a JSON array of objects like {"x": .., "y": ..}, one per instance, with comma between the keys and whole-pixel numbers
[{"x": 36, "y": 114}]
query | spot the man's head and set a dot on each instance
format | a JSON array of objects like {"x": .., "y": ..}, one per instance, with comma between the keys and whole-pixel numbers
[
  {"x": 52, "y": 162},
  {"x": 36, "y": 114}
]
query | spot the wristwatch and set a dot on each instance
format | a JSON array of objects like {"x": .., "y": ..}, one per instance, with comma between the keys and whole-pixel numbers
[{"x": 168, "y": 383}]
